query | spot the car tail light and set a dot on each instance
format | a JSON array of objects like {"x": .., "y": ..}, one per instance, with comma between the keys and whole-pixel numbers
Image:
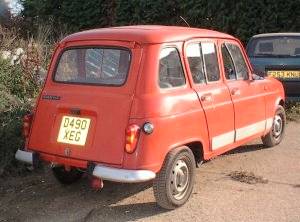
[
  {"x": 27, "y": 120},
  {"x": 132, "y": 136}
]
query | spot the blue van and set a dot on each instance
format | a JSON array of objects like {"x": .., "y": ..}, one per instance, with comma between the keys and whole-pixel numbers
[{"x": 278, "y": 55}]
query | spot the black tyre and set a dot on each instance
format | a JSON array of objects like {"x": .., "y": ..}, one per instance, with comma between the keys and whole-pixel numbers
[
  {"x": 277, "y": 131},
  {"x": 66, "y": 177},
  {"x": 174, "y": 183}
]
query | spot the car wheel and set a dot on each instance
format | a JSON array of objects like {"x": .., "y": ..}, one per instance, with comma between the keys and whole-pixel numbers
[
  {"x": 66, "y": 177},
  {"x": 277, "y": 131},
  {"x": 173, "y": 185}
]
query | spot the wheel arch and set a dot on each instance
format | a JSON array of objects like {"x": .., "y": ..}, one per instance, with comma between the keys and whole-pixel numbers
[
  {"x": 197, "y": 148},
  {"x": 281, "y": 102},
  {"x": 198, "y": 151}
]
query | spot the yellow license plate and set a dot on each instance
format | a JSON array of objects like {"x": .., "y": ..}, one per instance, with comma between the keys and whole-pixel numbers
[
  {"x": 73, "y": 130},
  {"x": 285, "y": 74}
]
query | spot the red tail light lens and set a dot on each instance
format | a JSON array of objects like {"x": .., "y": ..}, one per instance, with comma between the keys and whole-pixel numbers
[
  {"x": 27, "y": 120},
  {"x": 132, "y": 136}
]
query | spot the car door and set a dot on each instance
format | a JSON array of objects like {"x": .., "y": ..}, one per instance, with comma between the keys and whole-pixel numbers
[
  {"x": 248, "y": 96},
  {"x": 213, "y": 94}
]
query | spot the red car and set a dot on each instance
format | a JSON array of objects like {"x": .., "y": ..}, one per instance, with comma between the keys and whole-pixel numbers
[{"x": 139, "y": 103}]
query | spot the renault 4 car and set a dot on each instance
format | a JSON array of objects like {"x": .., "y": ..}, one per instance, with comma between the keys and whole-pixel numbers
[
  {"x": 278, "y": 55},
  {"x": 149, "y": 103}
]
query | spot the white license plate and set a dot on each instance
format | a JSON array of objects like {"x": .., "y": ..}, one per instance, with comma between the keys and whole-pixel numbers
[
  {"x": 73, "y": 130},
  {"x": 285, "y": 74}
]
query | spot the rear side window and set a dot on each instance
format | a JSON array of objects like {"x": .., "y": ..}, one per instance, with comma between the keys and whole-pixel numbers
[
  {"x": 170, "y": 69},
  {"x": 103, "y": 66},
  {"x": 241, "y": 68},
  {"x": 210, "y": 61}
]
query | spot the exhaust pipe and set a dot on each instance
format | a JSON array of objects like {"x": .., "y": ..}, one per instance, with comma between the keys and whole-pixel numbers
[{"x": 96, "y": 183}]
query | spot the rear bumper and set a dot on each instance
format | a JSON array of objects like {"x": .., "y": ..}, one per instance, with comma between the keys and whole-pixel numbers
[
  {"x": 28, "y": 157},
  {"x": 122, "y": 175},
  {"x": 100, "y": 171}
]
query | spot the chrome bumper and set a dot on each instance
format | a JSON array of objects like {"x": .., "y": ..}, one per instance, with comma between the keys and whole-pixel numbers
[
  {"x": 103, "y": 172},
  {"x": 122, "y": 175},
  {"x": 27, "y": 157}
]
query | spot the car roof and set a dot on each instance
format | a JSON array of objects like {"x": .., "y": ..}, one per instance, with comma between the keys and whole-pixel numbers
[
  {"x": 146, "y": 34},
  {"x": 277, "y": 34}
]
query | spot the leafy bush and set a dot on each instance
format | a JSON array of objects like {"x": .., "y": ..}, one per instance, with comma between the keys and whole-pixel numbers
[
  {"x": 12, "y": 77},
  {"x": 11, "y": 112},
  {"x": 13, "y": 106},
  {"x": 22, "y": 68}
]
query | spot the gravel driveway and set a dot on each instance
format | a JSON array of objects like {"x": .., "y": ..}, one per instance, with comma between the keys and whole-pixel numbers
[{"x": 251, "y": 183}]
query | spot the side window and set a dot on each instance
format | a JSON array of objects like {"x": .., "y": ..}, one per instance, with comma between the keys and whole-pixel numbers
[
  {"x": 195, "y": 59},
  {"x": 210, "y": 61},
  {"x": 239, "y": 62},
  {"x": 170, "y": 69},
  {"x": 228, "y": 63}
]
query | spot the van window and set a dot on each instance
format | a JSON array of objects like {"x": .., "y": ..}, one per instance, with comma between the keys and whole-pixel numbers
[
  {"x": 170, "y": 69},
  {"x": 210, "y": 61},
  {"x": 241, "y": 68},
  {"x": 103, "y": 66},
  {"x": 283, "y": 46},
  {"x": 195, "y": 59}
]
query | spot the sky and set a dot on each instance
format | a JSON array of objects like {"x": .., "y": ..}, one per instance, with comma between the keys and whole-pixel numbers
[{"x": 14, "y": 5}]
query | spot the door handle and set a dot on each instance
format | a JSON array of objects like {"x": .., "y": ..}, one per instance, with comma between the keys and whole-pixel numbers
[
  {"x": 235, "y": 91},
  {"x": 206, "y": 97}
]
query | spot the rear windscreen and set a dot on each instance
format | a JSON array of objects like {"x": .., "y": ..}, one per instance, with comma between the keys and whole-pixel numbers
[
  {"x": 101, "y": 66},
  {"x": 276, "y": 46}
]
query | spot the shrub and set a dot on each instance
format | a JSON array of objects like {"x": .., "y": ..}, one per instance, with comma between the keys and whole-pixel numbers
[
  {"x": 293, "y": 111},
  {"x": 11, "y": 139},
  {"x": 22, "y": 68},
  {"x": 13, "y": 105}
]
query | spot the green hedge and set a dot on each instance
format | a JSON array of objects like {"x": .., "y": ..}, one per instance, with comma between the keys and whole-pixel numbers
[
  {"x": 10, "y": 139},
  {"x": 14, "y": 91},
  {"x": 240, "y": 18}
]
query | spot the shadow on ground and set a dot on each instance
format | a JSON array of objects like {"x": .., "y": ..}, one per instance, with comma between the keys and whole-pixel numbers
[
  {"x": 111, "y": 211},
  {"x": 39, "y": 197},
  {"x": 127, "y": 212},
  {"x": 246, "y": 149}
]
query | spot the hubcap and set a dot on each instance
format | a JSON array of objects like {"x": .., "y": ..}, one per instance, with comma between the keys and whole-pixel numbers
[
  {"x": 179, "y": 179},
  {"x": 277, "y": 126}
]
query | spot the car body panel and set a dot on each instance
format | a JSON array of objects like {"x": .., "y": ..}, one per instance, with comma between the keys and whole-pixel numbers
[
  {"x": 103, "y": 105},
  {"x": 248, "y": 98},
  {"x": 179, "y": 116}
]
